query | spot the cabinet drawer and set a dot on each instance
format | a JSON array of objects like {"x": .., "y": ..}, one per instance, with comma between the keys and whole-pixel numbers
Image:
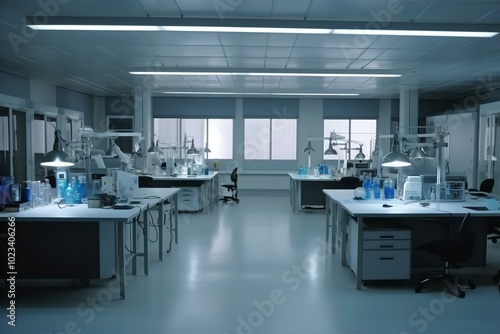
[
  {"x": 380, "y": 264},
  {"x": 386, "y": 234},
  {"x": 386, "y": 244},
  {"x": 189, "y": 190}
]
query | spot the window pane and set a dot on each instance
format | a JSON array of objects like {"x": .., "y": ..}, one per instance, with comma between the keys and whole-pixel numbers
[
  {"x": 364, "y": 131},
  {"x": 166, "y": 131},
  {"x": 284, "y": 139},
  {"x": 194, "y": 128},
  {"x": 257, "y": 139},
  {"x": 220, "y": 138}
]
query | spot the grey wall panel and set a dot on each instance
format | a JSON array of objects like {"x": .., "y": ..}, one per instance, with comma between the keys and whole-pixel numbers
[
  {"x": 14, "y": 85},
  {"x": 351, "y": 108},
  {"x": 271, "y": 108},
  {"x": 179, "y": 107},
  {"x": 70, "y": 99}
]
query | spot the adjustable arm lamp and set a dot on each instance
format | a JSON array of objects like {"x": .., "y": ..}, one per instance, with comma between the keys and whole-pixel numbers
[
  {"x": 395, "y": 158},
  {"x": 329, "y": 151},
  {"x": 57, "y": 157}
]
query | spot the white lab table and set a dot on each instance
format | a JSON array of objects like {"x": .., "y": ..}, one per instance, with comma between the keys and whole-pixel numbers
[
  {"x": 80, "y": 213},
  {"x": 208, "y": 185},
  {"x": 307, "y": 189},
  {"x": 341, "y": 205}
]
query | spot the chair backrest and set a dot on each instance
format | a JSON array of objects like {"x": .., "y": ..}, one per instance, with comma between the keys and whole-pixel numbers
[
  {"x": 487, "y": 185},
  {"x": 466, "y": 238},
  {"x": 145, "y": 181},
  {"x": 234, "y": 175},
  {"x": 350, "y": 182}
]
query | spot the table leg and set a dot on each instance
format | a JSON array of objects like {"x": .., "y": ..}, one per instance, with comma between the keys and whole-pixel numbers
[
  {"x": 146, "y": 241},
  {"x": 134, "y": 246},
  {"x": 176, "y": 215},
  {"x": 342, "y": 219},
  {"x": 161, "y": 222},
  {"x": 359, "y": 265},
  {"x": 120, "y": 258}
]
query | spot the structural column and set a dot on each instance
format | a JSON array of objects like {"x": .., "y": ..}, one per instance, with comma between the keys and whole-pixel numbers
[
  {"x": 143, "y": 117},
  {"x": 408, "y": 109}
]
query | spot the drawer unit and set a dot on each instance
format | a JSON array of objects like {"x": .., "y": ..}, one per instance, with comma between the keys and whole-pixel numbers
[
  {"x": 189, "y": 199},
  {"x": 386, "y": 254}
]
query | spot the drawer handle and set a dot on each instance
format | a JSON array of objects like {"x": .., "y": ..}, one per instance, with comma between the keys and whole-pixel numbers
[
  {"x": 386, "y": 237},
  {"x": 386, "y": 246},
  {"x": 386, "y": 258}
]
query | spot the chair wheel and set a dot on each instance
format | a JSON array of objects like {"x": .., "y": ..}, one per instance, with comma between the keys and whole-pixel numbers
[
  {"x": 494, "y": 241},
  {"x": 472, "y": 285},
  {"x": 460, "y": 294},
  {"x": 418, "y": 289}
]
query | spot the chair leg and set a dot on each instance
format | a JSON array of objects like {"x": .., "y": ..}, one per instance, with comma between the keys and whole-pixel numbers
[{"x": 452, "y": 282}]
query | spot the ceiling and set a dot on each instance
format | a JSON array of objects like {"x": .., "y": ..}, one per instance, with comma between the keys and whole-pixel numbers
[{"x": 98, "y": 63}]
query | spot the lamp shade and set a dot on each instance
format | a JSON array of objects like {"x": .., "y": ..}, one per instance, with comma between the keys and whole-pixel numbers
[
  {"x": 57, "y": 158},
  {"x": 330, "y": 150},
  {"x": 360, "y": 155},
  {"x": 418, "y": 152},
  {"x": 396, "y": 158},
  {"x": 192, "y": 149},
  {"x": 308, "y": 148}
]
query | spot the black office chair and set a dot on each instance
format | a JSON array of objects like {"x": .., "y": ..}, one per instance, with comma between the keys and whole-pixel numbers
[
  {"x": 453, "y": 251},
  {"x": 350, "y": 182},
  {"x": 233, "y": 188},
  {"x": 145, "y": 181},
  {"x": 486, "y": 186}
]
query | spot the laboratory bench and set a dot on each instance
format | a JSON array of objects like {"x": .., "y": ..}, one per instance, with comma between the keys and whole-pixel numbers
[
  {"x": 78, "y": 242},
  {"x": 197, "y": 192},
  {"x": 377, "y": 241}
]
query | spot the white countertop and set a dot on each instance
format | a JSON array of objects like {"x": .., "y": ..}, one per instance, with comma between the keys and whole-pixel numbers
[
  {"x": 375, "y": 208},
  {"x": 82, "y": 213},
  {"x": 299, "y": 177},
  {"x": 184, "y": 177}
]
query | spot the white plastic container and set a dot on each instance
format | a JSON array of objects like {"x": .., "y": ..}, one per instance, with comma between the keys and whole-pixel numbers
[{"x": 412, "y": 190}]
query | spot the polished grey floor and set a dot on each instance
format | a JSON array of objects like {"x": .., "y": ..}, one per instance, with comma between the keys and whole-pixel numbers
[{"x": 249, "y": 268}]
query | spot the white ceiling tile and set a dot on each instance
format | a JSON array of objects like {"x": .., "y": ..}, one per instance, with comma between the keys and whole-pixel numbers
[
  {"x": 315, "y": 63},
  {"x": 244, "y": 51},
  {"x": 180, "y": 38},
  {"x": 325, "y": 53},
  {"x": 275, "y": 62},
  {"x": 242, "y": 62},
  {"x": 97, "y": 62},
  {"x": 460, "y": 11},
  {"x": 281, "y": 39},
  {"x": 160, "y": 8},
  {"x": 188, "y": 51},
  {"x": 200, "y": 61},
  {"x": 278, "y": 52},
  {"x": 248, "y": 40}
]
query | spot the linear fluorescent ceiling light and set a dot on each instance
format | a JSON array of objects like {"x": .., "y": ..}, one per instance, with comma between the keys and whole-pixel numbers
[
  {"x": 274, "y": 74},
  {"x": 264, "y": 30},
  {"x": 114, "y": 27},
  {"x": 271, "y": 93},
  {"x": 422, "y": 33}
]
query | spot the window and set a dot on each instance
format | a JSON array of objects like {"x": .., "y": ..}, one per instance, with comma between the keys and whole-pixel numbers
[
  {"x": 363, "y": 131},
  {"x": 270, "y": 139},
  {"x": 216, "y": 134}
]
